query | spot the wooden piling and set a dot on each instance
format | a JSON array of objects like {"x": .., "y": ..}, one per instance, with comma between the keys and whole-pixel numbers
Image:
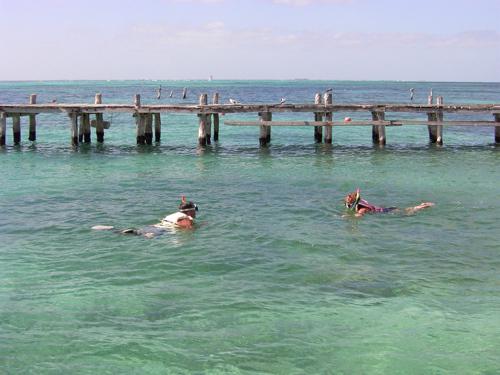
[
  {"x": 74, "y": 128},
  {"x": 32, "y": 121},
  {"x": 265, "y": 134},
  {"x": 148, "y": 130},
  {"x": 327, "y": 98},
  {"x": 318, "y": 116},
  {"x": 435, "y": 131},
  {"x": 497, "y": 128},
  {"x": 3, "y": 128},
  {"x": 99, "y": 128},
  {"x": 141, "y": 120},
  {"x": 202, "y": 119},
  {"x": 378, "y": 131},
  {"x": 16, "y": 128},
  {"x": 81, "y": 129},
  {"x": 85, "y": 123},
  {"x": 215, "y": 100},
  {"x": 157, "y": 118}
]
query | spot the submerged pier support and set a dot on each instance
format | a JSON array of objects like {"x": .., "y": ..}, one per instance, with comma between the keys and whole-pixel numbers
[
  {"x": 16, "y": 128},
  {"x": 202, "y": 123},
  {"x": 85, "y": 131},
  {"x": 378, "y": 131},
  {"x": 215, "y": 100},
  {"x": 99, "y": 124},
  {"x": 497, "y": 128},
  {"x": 74, "y": 128},
  {"x": 435, "y": 131},
  {"x": 265, "y": 131},
  {"x": 3, "y": 128},
  {"x": 318, "y": 116},
  {"x": 148, "y": 129},
  {"x": 32, "y": 121},
  {"x": 157, "y": 120},
  {"x": 327, "y": 98}
]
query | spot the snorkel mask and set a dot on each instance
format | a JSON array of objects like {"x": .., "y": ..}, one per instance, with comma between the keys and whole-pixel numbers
[
  {"x": 191, "y": 205},
  {"x": 352, "y": 200}
]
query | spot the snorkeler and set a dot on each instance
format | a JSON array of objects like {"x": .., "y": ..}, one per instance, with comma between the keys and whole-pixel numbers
[
  {"x": 183, "y": 218},
  {"x": 360, "y": 206}
]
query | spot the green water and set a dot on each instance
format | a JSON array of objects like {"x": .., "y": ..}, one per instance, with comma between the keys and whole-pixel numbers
[{"x": 275, "y": 279}]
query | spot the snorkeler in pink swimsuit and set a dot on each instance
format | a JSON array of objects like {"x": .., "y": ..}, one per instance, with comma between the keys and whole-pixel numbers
[{"x": 360, "y": 206}]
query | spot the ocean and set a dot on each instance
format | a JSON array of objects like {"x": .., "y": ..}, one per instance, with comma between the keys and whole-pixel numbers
[{"x": 277, "y": 278}]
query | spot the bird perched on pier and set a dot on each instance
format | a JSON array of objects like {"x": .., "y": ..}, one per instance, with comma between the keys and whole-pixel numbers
[
  {"x": 233, "y": 101},
  {"x": 328, "y": 90},
  {"x": 171, "y": 94},
  {"x": 158, "y": 93},
  {"x": 282, "y": 101}
]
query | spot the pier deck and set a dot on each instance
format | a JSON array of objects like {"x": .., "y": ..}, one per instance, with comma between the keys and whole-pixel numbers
[{"x": 322, "y": 110}]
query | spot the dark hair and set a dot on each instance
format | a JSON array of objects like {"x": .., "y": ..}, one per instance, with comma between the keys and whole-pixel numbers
[{"x": 187, "y": 206}]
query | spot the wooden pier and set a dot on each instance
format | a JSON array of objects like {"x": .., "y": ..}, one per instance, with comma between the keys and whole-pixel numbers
[{"x": 322, "y": 109}]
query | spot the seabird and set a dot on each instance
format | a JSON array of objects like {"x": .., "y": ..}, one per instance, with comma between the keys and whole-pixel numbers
[
  {"x": 171, "y": 93},
  {"x": 233, "y": 101},
  {"x": 282, "y": 101},
  {"x": 158, "y": 93}
]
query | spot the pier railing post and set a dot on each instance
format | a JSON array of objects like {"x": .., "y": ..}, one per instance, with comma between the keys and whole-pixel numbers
[
  {"x": 215, "y": 100},
  {"x": 497, "y": 128},
  {"x": 32, "y": 121},
  {"x": 141, "y": 120},
  {"x": 202, "y": 120},
  {"x": 157, "y": 118},
  {"x": 3, "y": 127},
  {"x": 378, "y": 131},
  {"x": 81, "y": 129},
  {"x": 99, "y": 125},
  {"x": 318, "y": 116},
  {"x": 328, "y": 117},
  {"x": 208, "y": 127},
  {"x": 265, "y": 134},
  {"x": 74, "y": 128},
  {"x": 16, "y": 128}
]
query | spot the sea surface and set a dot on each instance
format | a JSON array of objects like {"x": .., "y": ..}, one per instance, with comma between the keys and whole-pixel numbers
[{"x": 277, "y": 278}]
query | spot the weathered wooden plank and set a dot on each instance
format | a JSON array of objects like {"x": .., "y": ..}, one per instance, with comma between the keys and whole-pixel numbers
[
  {"x": 361, "y": 123},
  {"x": 249, "y": 108}
]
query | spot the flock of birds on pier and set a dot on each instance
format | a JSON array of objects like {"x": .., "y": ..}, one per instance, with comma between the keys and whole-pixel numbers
[
  {"x": 237, "y": 102},
  {"x": 231, "y": 100}
]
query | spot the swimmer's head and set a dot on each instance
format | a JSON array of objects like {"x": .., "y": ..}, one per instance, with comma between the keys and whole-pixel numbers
[
  {"x": 352, "y": 199},
  {"x": 188, "y": 208}
]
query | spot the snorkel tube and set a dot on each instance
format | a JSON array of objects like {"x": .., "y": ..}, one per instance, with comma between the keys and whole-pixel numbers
[{"x": 352, "y": 206}]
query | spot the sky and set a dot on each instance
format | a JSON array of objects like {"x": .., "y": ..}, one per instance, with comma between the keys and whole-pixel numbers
[{"x": 424, "y": 40}]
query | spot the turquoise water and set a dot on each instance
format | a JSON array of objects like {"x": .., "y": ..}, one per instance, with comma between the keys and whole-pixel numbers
[{"x": 275, "y": 279}]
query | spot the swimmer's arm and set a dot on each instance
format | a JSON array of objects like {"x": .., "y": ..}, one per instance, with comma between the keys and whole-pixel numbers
[{"x": 421, "y": 206}]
